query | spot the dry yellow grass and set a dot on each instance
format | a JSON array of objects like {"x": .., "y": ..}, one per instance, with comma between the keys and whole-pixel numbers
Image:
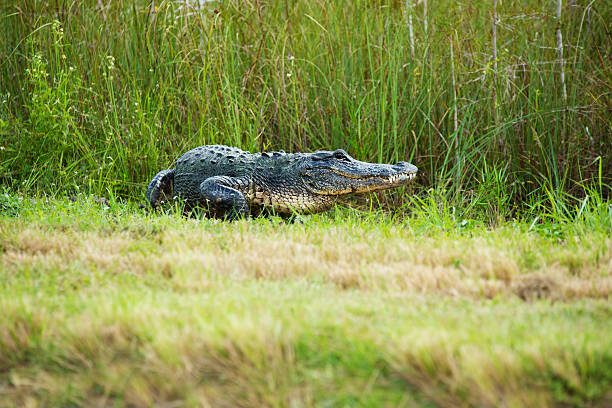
[{"x": 486, "y": 266}]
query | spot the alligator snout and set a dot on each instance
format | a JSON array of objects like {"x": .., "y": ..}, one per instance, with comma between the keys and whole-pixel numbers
[{"x": 405, "y": 167}]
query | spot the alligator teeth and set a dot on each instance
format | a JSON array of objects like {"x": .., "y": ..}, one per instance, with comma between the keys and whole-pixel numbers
[
  {"x": 400, "y": 177},
  {"x": 394, "y": 178}
]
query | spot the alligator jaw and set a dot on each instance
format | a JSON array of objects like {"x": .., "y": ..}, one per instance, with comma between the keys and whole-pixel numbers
[
  {"x": 401, "y": 178},
  {"x": 382, "y": 183},
  {"x": 334, "y": 181}
]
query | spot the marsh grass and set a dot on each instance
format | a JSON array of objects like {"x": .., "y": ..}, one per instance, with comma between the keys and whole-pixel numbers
[
  {"x": 100, "y": 97},
  {"x": 105, "y": 304}
]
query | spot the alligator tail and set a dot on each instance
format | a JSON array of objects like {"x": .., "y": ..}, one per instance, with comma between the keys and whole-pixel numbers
[{"x": 161, "y": 188}]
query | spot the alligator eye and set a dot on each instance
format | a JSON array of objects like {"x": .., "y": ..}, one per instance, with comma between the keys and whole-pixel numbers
[{"x": 341, "y": 155}]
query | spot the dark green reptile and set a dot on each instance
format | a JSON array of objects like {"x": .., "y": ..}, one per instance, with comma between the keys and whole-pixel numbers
[{"x": 235, "y": 183}]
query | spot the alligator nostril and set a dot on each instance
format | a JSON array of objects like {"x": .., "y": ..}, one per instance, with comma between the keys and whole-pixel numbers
[{"x": 405, "y": 167}]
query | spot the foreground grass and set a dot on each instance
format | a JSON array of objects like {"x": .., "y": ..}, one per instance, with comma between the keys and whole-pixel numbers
[{"x": 109, "y": 305}]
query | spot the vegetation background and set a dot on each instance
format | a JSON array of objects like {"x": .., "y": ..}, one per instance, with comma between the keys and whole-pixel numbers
[{"x": 99, "y": 96}]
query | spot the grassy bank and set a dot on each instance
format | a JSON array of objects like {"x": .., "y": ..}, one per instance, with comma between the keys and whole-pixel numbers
[
  {"x": 105, "y": 304},
  {"x": 103, "y": 96}
]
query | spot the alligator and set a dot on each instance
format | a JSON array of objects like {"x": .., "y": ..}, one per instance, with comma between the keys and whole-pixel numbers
[{"x": 233, "y": 183}]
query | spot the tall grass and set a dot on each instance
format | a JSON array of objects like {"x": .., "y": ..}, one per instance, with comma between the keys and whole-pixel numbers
[{"x": 101, "y": 96}]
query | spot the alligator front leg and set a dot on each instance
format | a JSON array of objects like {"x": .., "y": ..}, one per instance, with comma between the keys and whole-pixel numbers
[{"x": 219, "y": 194}]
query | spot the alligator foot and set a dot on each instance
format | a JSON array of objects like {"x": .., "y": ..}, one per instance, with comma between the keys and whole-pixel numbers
[{"x": 220, "y": 196}]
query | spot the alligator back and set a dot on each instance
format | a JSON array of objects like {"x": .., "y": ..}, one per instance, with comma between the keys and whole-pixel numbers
[{"x": 198, "y": 164}]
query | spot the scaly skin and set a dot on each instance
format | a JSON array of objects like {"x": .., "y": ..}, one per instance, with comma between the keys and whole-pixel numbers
[{"x": 233, "y": 182}]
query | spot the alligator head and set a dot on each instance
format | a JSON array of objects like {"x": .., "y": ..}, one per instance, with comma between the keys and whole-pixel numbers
[{"x": 337, "y": 173}]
